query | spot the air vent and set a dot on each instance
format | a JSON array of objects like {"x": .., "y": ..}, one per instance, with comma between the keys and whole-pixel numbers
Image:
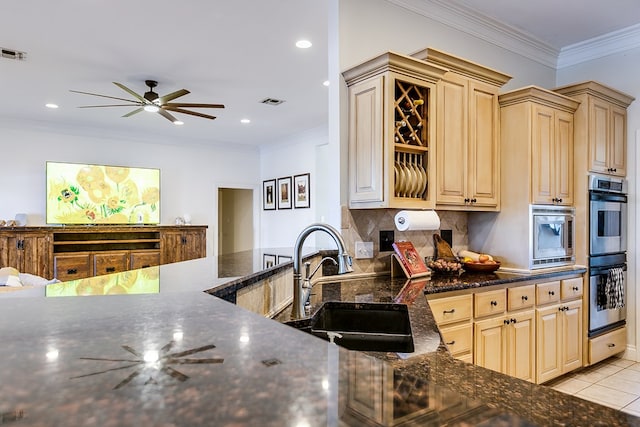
[
  {"x": 272, "y": 101},
  {"x": 13, "y": 54}
]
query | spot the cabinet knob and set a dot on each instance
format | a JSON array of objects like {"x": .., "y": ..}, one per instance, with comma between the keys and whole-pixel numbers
[
  {"x": 552, "y": 293},
  {"x": 575, "y": 288},
  {"x": 525, "y": 298},
  {"x": 453, "y": 310},
  {"x": 494, "y": 303},
  {"x": 506, "y": 321},
  {"x": 474, "y": 200},
  {"x": 611, "y": 345},
  {"x": 513, "y": 320},
  {"x": 451, "y": 342},
  {"x": 467, "y": 200}
]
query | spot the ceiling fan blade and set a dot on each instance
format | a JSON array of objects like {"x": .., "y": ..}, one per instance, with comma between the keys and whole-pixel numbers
[
  {"x": 188, "y": 105},
  {"x": 109, "y": 105},
  {"x": 193, "y": 113},
  {"x": 103, "y": 96},
  {"x": 131, "y": 113},
  {"x": 173, "y": 95},
  {"x": 167, "y": 116},
  {"x": 129, "y": 91}
]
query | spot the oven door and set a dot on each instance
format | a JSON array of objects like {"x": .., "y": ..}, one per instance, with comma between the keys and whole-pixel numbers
[
  {"x": 607, "y": 223},
  {"x": 602, "y": 318}
]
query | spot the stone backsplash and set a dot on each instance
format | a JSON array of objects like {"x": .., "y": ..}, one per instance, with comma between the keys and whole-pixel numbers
[{"x": 364, "y": 225}]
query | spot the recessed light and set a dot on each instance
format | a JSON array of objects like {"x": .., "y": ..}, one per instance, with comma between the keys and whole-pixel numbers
[
  {"x": 325, "y": 83},
  {"x": 303, "y": 44},
  {"x": 245, "y": 121},
  {"x": 50, "y": 105},
  {"x": 178, "y": 123}
]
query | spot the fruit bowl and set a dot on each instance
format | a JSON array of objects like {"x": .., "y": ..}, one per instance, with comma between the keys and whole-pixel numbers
[
  {"x": 444, "y": 267},
  {"x": 482, "y": 267}
]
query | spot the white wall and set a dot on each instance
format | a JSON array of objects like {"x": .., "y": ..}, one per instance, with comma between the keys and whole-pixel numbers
[
  {"x": 620, "y": 71},
  {"x": 189, "y": 175},
  {"x": 299, "y": 154}
]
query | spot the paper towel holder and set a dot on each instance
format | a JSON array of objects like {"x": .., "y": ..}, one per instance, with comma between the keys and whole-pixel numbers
[{"x": 405, "y": 220}]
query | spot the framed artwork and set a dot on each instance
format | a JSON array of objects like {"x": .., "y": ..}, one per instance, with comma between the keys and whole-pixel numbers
[
  {"x": 284, "y": 193},
  {"x": 268, "y": 261},
  {"x": 301, "y": 191},
  {"x": 269, "y": 195},
  {"x": 284, "y": 258}
]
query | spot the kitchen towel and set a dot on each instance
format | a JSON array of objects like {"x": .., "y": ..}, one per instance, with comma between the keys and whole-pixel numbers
[
  {"x": 417, "y": 220},
  {"x": 614, "y": 288}
]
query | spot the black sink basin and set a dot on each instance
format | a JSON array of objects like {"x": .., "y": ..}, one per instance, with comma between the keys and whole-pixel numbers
[{"x": 362, "y": 326}]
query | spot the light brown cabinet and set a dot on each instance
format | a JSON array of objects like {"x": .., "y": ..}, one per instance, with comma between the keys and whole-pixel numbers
[
  {"x": 538, "y": 143},
  {"x": 559, "y": 333},
  {"x": 601, "y": 127},
  {"x": 183, "y": 244},
  {"x": 29, "y": 252},
  {"x": 392, "y": 132},
  {"x": 468, "y": 133}
]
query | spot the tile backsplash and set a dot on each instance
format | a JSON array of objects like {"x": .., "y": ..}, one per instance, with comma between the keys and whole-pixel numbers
[{"x": 364, "y": 225}]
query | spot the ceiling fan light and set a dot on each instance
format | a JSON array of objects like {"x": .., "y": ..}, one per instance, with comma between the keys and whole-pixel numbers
[
  {"x": 178, "y": 123},
  {"x": 151, "y": 108}
]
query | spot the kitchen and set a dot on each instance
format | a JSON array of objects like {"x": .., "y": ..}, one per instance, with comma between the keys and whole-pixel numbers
[{"x": 379, "y": 12}]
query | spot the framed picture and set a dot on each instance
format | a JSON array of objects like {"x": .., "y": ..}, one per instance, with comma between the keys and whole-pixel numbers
[
  {"x": 269, "y": 195},
  {"x": 284, "y": 193},
  {"x": 284, "y": 258},
  {"x": 301, "y": 191},
  {"x": 268, "y": 261}
]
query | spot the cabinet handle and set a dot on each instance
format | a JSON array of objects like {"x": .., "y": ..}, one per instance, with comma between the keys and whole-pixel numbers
[
  {"x": 575, "y": 288},
  {"x": 451, "y": 342},
  {"x": 559, "y": 200},
  {"x": 145, "y": 266},
  {"x": 525, "y": 298},
  {"x": 505, "y": 321},
  {"x": 467, "y": 200},
  {"x": 611, "y": 345},
  {"x": 552, "y": 293},
  {"x": 473, "y": 200},
  {"x": 110, "y": 269},
  {"x": 513, "y": 320},
  {"x": 72, "y": 271},
  {"x": 494, "y": 303},
  {"x": 453, "y": 310}
]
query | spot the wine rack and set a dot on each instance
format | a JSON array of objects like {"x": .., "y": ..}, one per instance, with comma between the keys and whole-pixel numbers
[{"x": 411, "y": 114}]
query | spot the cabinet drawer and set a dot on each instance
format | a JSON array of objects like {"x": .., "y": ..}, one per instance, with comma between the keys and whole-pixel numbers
[
  {"x": 71, "y": 267},
  {"x": 110, "y": 262},
  {"x": 521, "y": 297},
  {"x": 607, "y": 345},
  {"x": 451, "y": 309},
  {"x": 547, "y": 292},
  {"x": 490, "y": 302},
  {"x": 458, "y": 339},
  {"x": 144, "y": 259},
  {"x": 571, "y": 288}
]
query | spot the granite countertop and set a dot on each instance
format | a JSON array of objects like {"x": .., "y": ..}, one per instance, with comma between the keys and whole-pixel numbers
[{"x": 183, "y": 357}]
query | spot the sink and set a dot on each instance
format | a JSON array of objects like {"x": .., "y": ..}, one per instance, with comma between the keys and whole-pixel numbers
[{"x": 362, "y": 326}]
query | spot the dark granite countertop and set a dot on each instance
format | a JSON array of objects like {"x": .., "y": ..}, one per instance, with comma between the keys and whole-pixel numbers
[{"x": 183, "y": 357}]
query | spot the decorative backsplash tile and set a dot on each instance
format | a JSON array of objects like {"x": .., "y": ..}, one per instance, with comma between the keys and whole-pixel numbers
[{"x": 364, "y": 225}]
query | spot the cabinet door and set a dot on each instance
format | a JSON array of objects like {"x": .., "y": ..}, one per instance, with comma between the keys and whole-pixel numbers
[
  {"x": 483, "y": 160},
  {"x": 489, "y": 348},
  {"x": 599, "y": 135},
  {"x": 548, "y": 343},
  {"x": 520, "y": 348},
  {"x": 617, "y": 147},
  {"x": 572, "y": 336},
  {"x": 563, "y": 174},
  {"x": 193, "y": 244},
  {"x": 452, "y": 140},
  {"x": 36, "y": 254},
  {"x": 9, "y": 255},
  {"x": 171, "y": 242},
  {"x": 543, "y": 155},
  {"x": 366, "y": 182}
]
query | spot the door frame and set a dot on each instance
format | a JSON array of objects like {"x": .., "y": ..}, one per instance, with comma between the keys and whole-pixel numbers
[{"x": 255, "y": 206}]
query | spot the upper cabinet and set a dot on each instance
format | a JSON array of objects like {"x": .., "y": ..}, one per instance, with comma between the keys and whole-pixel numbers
[
  {"x": 468, "y": 133},
  {"x": 600, "y": 127},
  {"x": 392, "y": 132},
  {"x": 537, "y": 135}
]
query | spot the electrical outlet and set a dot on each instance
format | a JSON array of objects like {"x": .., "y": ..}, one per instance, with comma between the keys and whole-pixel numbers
[
  {"x": 386, "y": 240},
  {"x": 364, "y": 250}
]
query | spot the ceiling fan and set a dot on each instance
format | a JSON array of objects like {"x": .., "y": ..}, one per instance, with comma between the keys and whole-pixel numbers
[{"x": 153, "y": 102}]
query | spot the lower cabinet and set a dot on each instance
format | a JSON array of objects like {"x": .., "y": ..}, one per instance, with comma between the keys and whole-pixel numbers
[
  {"x": 507, "y": 344},
  {"x": 607, "y": 345}
]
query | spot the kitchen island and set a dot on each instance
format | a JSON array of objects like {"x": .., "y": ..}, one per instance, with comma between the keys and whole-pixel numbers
[{"x": 181, "y": 356}]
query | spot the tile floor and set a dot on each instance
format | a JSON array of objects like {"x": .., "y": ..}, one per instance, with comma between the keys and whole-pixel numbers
[{"x": 614, "y": 382}]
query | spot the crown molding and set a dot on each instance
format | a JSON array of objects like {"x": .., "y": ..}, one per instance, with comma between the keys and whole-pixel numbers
[
  {"x": 598, "y": 47},
  {"x": 484, "y": 27}
]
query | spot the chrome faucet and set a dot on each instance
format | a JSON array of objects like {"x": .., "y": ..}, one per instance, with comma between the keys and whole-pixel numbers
[{"x": 302, "y": 285}]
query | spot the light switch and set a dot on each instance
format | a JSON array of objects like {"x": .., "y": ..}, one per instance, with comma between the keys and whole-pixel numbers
[{"x": 364, "y": 250}]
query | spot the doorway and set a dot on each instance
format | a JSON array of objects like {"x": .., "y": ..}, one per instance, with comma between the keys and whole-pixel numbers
[{"x": 235, "y": 220}]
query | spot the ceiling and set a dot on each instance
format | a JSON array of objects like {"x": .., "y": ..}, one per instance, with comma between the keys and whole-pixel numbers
[{"x": 232, "y": 52}]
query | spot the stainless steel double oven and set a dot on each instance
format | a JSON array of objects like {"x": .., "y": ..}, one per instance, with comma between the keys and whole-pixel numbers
[{"x": 607, "y": 252}]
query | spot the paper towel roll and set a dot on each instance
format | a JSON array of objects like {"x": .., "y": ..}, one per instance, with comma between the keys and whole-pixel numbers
[{"x": 417, "y": 220}]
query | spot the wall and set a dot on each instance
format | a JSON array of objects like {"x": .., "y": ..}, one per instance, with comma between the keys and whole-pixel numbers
[
  {"x": 189, "y": 174},
  {"x": 620, "y": 71}
]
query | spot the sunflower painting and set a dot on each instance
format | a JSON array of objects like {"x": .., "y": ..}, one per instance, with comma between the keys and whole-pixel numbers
[{"x": 93, "y": 194}]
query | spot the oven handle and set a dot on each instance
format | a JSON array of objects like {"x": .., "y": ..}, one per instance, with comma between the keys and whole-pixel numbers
[
  {"x": 597, "y": 271},
  {"x": 607, "y": 197}
]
